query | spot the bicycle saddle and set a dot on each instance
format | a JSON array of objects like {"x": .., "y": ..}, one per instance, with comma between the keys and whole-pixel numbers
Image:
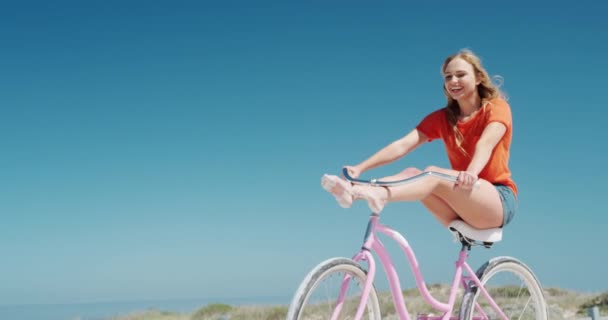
[{"x": 462, "y": 229}]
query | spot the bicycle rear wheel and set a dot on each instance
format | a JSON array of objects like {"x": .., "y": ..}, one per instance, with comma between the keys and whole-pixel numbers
[
  {"x": 514, "y": 288},
  {"x": 317, "y": 296}
]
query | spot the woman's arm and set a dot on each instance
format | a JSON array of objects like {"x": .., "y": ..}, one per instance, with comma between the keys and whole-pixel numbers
[
  {"x": 393, "y": 151},
  {"x": 490, "y": 137}
]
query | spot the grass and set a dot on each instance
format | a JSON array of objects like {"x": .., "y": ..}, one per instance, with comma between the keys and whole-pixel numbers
[
  {"x": 601, "y": 301},
  {"x": 562, "y": 305},
  {"x": 153, "y": 315},
  {"x": 213, "y": 310}
]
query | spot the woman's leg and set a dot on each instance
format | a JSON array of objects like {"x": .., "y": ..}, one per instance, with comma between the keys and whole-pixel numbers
[
  {"x": 479, "y": 207},
  {"x": 437, "y": 206}
]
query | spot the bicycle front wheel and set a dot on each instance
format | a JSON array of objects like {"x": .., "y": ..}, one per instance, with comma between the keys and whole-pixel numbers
[
  {"x": 514, "y": 288},
  {"x": 333, "y": 288}
]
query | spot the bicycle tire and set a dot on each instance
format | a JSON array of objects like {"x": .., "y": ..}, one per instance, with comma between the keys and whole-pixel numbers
[
  {"x": 305, "y": 305},
  {"x": 526, "y": 302}
]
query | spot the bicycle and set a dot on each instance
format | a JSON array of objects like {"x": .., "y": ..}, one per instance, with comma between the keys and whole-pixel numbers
[{"x": 340, "y": 288}]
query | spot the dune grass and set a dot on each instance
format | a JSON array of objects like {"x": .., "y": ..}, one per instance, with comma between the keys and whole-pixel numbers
[{"x": 562, "y": 305}]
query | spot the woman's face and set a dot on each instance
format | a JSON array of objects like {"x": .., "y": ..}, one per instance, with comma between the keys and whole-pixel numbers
[{"x": 459, "y": 79}]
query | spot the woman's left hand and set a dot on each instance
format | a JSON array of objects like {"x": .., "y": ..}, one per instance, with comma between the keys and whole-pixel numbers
[{"x": 466, "y": 180}]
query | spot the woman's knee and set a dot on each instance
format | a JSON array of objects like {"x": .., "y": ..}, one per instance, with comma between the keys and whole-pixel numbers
[
  {"x": 407, "y": 173},
  {"x": 410, "y": 172},
  {"x": 432, "y": 168}
]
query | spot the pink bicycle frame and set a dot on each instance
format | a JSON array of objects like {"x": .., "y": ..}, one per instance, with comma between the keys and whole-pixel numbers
[{"x": 373, "y": 243}]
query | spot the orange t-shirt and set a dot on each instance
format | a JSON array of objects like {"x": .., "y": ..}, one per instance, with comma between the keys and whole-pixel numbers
[{"x": 496, "y": 171}]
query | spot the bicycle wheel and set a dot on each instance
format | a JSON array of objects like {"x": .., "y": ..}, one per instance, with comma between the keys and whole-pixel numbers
[
  {"x": 513, "y": 287},
  {"x": 317, "y": 296}
]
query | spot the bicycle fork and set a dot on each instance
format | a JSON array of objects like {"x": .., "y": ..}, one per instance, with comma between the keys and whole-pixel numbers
[{"x": 364, "y": 255}]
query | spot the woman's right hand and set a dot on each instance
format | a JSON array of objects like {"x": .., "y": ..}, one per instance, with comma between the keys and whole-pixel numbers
[{"x": 353, "y": 171}]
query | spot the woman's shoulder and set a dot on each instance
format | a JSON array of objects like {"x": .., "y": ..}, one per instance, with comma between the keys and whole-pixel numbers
[
  {"x": 436, "y": 117},
  {"x": 441, "y": 112},
  {"x": 498, "y": 102},
  {"x": 498, "y": 109}
]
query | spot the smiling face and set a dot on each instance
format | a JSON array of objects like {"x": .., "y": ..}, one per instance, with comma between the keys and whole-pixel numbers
[{"x": 460, "y": 80}]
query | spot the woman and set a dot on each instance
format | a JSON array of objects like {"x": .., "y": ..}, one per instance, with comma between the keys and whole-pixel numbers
[{"x": 476, "y": 129}]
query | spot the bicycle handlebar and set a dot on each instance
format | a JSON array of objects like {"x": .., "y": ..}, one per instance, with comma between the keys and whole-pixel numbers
[{"x": 375, "y": 182}]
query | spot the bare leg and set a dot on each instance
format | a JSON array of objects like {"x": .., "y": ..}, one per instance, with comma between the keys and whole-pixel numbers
[
  {"x": 479, "y": 207},
  {"x": 440, "y": 209},
  {"x": 437, "y": 206}
]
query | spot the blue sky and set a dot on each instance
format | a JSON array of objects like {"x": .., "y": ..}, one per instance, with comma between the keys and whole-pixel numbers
[{"x": 173, "y": 150}]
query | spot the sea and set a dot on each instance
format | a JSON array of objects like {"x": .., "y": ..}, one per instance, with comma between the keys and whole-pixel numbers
[{"x": 109, "y": 310}]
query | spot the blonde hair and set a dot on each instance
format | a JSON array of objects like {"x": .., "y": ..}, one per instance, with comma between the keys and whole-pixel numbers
[{"x": 486, "y": 89}]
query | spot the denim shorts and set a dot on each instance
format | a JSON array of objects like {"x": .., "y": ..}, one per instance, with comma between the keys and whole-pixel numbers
[{"x": 509, "y": 203}]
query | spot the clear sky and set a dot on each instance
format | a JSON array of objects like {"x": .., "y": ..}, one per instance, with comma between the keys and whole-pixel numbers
[{"x": 174, "y": 149}]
